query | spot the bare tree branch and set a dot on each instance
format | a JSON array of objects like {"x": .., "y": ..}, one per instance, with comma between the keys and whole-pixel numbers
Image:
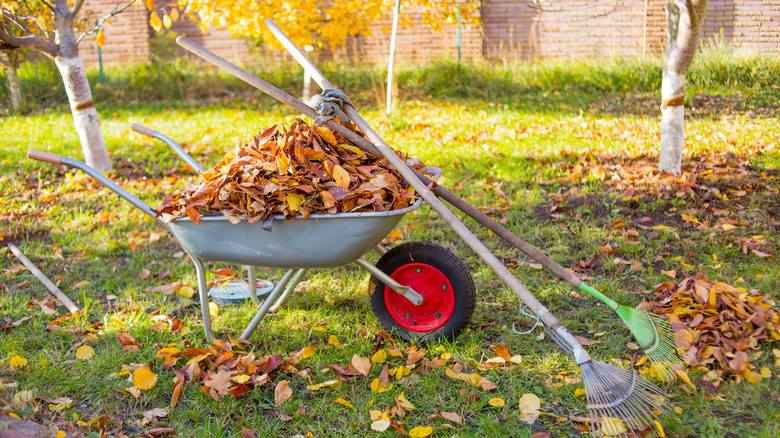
[
  {"x": 28, "y": 42},
  {"x": 76, "y": 8},
  {"x": 116, "y": 11}
]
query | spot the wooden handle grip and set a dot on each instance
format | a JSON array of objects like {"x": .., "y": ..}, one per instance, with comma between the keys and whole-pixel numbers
[
  {"x": 44, "y": 156},
  {"x": 143, "y": 130}
]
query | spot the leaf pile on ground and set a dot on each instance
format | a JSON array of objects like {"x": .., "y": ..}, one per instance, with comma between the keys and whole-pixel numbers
[
  {"x": 301, "y": 170},
  {"x": 719, "y": 324}
]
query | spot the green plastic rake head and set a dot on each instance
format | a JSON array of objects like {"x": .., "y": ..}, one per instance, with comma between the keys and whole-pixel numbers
[{"x": 653, "y": 333}]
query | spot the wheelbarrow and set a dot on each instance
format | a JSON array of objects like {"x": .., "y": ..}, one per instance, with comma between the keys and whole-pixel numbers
[{"x": 419, "y": 290}]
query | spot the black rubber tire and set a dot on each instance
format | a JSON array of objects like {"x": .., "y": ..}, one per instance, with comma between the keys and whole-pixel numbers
[{"x": 443, "y": 260}]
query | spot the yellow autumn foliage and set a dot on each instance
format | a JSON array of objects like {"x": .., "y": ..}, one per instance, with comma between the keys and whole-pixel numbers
[{"x": 324, "y": 24}]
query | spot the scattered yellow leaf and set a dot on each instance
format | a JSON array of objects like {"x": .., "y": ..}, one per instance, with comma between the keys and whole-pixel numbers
[
  {"x": 678, "y": 410},
  {"x": 144, "y": 378},
  {"x": 341, "y": 401},
  {"x": 81, "y": 284},
  {"x": 18, "y": 362},
  {"x": 318, "y": 329},
  {"x": 134, "y": 391},
  {"x": 60, "y": 434},
  {"x": 307, "y": 352},
  {"x": 579, "y": 392},
  {"x": 376, "y": 386},
  {"x": 186, "y": 291},
  {"x": 213, "y": 310},
  {"x": 406, "y": 404},
  {"x": 612, "y": 426},
  {"x": 240, "y": 378},
  {"x": 516, "y": 359},
  {"x": 766, "y": 373},
  {"x": 660, "y": 429},
  {"x": 400, "y": 371},
  {"x": 333, "y": 340},
  {"x": 420, "y": 432},
  {"x": 85, "y": 352},
  {"x": 684, "y": 377},
  {"x": 379, "y": 357},
  {"x": 496, "y": 402},
  {"x": 323, "y": 385}
]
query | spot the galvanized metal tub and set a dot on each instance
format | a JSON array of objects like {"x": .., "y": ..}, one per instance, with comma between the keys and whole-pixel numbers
[{"x": 319, "y": 241}]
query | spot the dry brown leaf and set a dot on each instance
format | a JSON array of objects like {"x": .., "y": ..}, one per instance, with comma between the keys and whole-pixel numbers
[{"x": 282, "y": 392}]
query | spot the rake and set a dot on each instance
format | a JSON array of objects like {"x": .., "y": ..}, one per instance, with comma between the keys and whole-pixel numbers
[
  {"x": 621, "y": 397},
  {"x": 653, "y": 332}
]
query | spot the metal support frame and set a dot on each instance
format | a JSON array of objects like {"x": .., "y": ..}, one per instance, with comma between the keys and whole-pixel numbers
[{"x": 406, "y": 291}]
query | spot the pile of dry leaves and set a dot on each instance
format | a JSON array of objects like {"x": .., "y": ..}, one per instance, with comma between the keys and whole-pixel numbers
[
  {"x": 715, "y": 322},
  {"x": 301, "y": 170}
]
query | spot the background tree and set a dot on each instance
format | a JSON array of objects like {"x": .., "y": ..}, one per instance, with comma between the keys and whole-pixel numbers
[
  {"x": 55, "y": 28},
  {"x": 684, "y": 20},
  {"x": 322, "y": 24},
  {"x": 10, "y": 62}
]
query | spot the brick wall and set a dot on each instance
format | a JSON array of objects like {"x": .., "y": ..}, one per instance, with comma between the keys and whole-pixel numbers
[
  {"x": 414, "y": 43},
  {"x": 127, "y": 38},
  {"x": 562, "y": 29},
  {"x": 512, "y": 29}
]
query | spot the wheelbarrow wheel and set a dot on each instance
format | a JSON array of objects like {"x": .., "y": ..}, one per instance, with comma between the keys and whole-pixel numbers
[{"x": 435, "y": 273}]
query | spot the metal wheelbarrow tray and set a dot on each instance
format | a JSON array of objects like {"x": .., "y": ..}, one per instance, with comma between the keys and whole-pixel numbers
[{"x": 419, "y": 290}]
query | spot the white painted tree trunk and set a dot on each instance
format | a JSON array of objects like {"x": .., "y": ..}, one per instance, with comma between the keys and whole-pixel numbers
[
  {"x": 684, "y": 20},
  {"x": 672, "y": 122},
  {"x": 14, "y": 85},
  {"x": 85, "y": 116},
  {"x": 74, "y": 77}
]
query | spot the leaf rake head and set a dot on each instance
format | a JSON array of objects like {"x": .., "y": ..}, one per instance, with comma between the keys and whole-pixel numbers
[
  {"x": 656, "y": 337},
  {"x": 619, "y": 401}
]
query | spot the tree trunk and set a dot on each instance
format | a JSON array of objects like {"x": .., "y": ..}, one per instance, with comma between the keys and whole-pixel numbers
[
  {"x": 684, "y": 21},
  {"x": 14, "y": 86},
  {"x": 74, "y": 77}
]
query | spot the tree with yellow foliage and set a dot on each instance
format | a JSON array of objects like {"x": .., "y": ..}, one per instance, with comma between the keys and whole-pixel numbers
[
  {"x": 55, "y": 28},
  {"x": 324, "y": 24}
]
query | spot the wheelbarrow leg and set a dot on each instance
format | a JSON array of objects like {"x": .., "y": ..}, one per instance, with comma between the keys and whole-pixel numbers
[
  {"x": 290, "y": 287},
  {"x": 203, "y": 291},
  {"x": 267, "y": 304}
]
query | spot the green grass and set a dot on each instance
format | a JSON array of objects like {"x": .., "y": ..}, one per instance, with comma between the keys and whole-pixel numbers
[{"x": 513, "y": 134}]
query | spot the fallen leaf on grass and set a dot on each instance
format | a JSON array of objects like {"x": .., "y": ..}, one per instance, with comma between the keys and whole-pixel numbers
[
  {"x": 127, "y": 342},
  {"x": 343, "y": 402},
  {"x": 379, "y": 357},
  {"x": 18, "y": 362},
  {"x": 612, "y": 426},
  {"x": 529, "y": 408},
  {"x": 420, "y": 432},
  {"x": 496, "y": 402},
  {"x": 155, "y": 413},
  {"x": 451, "y": 416},
  {"x": 282, "y": 392},
  {"x": 158, "y": 432},
  {"x": 85, "y": 352},
  {"x": 319, "y": 386},
  {"x": 360, "y": 364},
  {"x": 334, "y": 341},
  {"x": 144, "y": 378}
]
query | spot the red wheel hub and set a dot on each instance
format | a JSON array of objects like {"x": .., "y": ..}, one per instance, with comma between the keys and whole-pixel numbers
[{"x": 436, "y": 289}]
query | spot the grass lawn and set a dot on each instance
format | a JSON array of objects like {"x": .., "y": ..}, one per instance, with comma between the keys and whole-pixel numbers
[{"x": 567, "y": 167}]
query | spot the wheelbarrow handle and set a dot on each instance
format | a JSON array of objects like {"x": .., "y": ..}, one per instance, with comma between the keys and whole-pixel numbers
[
  {"x": 143, "y": 130},
  {"x": 48, "y": 157}
]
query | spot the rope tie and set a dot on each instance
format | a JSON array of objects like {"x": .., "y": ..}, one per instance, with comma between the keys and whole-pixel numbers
[
  {"x": 527, "y": 312},
  {"x": 329, "y": 104}
]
